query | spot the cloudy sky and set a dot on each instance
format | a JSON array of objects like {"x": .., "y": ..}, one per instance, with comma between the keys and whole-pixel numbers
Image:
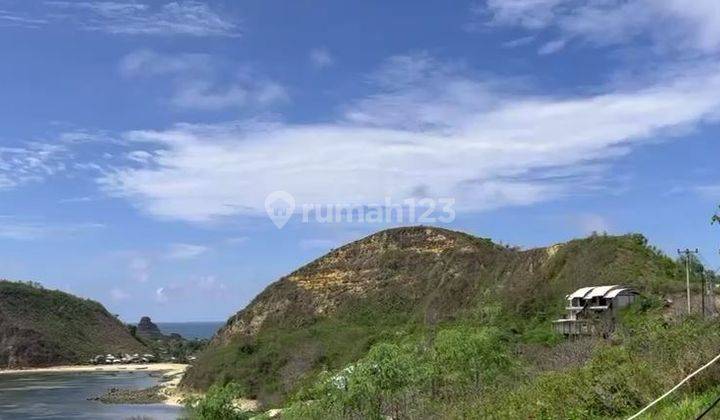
[{"x": 139, "y": 140}]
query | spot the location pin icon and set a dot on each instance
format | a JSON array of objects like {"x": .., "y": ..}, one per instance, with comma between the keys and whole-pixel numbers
[{"x": 280, "y": 206}]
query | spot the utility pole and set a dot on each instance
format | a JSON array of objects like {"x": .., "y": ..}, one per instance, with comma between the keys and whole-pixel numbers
[
  {"x": 687, "y": 253},
  {"x": 704, "y": 292}
]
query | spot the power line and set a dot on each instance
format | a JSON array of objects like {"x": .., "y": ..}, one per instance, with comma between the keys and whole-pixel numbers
[
  {"x": 687, "y": 378},
  {"x": 707, "y": 410}
]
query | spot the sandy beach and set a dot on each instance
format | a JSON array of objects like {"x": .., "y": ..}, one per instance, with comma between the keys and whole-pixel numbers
[
  {"x": 172, "y": 374},
  {"x": 172, "y": 368}
]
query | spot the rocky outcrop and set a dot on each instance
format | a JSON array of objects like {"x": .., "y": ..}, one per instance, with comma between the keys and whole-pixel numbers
[
  {"x": 147, "y": 330},
  {"x": 405, "y": 265}
]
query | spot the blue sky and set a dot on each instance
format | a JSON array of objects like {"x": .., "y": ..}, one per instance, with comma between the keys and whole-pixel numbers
[{"x": 139, "y": 140}]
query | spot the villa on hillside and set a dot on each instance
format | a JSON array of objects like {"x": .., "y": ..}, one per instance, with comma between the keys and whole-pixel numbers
[{"x": 593, "y": 310}]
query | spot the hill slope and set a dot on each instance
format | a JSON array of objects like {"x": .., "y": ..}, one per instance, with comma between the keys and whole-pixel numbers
[
  {"x": 329, "y": 312},
  {"x": 40, "y": 327}
]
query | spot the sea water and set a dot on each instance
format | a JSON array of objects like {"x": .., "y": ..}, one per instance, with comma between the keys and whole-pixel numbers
[
  {"x": 191, "y": 330},
  {"x": 65, "y": 396}
]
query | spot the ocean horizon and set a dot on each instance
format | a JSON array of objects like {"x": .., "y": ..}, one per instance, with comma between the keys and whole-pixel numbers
[{"x": 191, "y": 330}]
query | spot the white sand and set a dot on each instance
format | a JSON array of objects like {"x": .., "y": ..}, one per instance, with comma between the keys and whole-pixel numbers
[{"x": 172, "y": 368}]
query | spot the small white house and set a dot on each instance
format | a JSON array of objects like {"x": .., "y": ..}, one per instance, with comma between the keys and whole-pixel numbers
[{"x": 593, "y": 310}]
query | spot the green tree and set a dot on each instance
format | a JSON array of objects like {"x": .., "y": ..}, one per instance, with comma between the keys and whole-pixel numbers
[
  {"x": 470, "y": 356},
  {"x": 380, "y": 381}
]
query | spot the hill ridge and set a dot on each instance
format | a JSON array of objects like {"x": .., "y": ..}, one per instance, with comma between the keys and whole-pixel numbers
[
  {"x": 402, "y": 279},
  {"x": 43, "y": 327}
]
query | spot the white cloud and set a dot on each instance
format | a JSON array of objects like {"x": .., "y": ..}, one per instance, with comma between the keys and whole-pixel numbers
[
  {"x": 202, "y": 95},
  {"x": 321, "y": 58},
  {"x": 709, "y": 192},
  {"x": 534, "y": 14},
  {"x": 592, "y": 223},
  {"x": 12, "y": 19},
  {"x": 430, "y": 127},
  {"x": 28, "y": 230},
  {"x": 237, "y": 240},
  {"x": 205, "y": 286},
  {"x": 118, "y": 294},
  {"x": 79, "y": 136},
  {"x": 140, "y": 156},
  {"x": 206, "y": 95},
  {"x": 191, "y": 18},
  {"x": 519, "y": 42},
  {"x": 140, "y": 268},
  {"x": 210, "y": 285},
  {"x": 29, "y": 163},
  {"x": 185, "y": 251},
  {"x": 266, "y": 93},
  {"x": 21, "y": 231},
  {"x": 196, "y": 84},
  {"x": 552, "y": 47},
  {"x": 669, "y": 24},
  {"x": 398, "y": 140},
  {"x": 161, "y": 295},
  {"x": 147, "y": 63},
  {"x": 71, "y": 200}
]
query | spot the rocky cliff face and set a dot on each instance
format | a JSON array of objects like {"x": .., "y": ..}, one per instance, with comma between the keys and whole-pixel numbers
[
  {"x": 328, "y": 312},
  {"x": 399, "y": 266},
  {"x": 40, "y": 327}
]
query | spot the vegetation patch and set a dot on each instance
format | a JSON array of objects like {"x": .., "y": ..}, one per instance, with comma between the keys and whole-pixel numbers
[{"x": 463, "y": 331}]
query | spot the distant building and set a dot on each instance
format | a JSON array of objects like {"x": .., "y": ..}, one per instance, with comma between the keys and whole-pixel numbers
[{"x": 593, "y": 310}]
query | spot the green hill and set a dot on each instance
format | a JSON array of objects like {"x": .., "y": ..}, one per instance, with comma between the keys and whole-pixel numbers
[
  {"x": 411, "y": 284},
  {"x": 40, "y": 327}
]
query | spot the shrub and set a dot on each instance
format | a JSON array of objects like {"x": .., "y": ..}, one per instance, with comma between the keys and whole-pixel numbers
[
  {"x": 407, "y": 380},
  {"x": 218, "y": 403},
  {"x": 464, "y": 356}
]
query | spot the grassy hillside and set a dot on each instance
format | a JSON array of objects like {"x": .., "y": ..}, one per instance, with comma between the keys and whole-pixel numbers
[
  {"x": 40, "y": 327},
  {"x": 472, "y": 371},
  {"x": 406, "y": 286}
]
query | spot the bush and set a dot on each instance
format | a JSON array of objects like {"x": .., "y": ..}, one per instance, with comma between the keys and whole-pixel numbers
[
  {"x": 468, "y": 372},
  {"x": 218, "y": 403},
  {"x": 467, "y": 357},
  {"x": 407, "y": 380}
]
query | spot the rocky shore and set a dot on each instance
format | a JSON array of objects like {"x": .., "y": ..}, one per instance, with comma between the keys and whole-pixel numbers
[
  {"x": 164, "y": 393},
  {"x": 152, "y": 395}
]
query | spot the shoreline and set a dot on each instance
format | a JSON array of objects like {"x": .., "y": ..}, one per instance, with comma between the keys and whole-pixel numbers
[
  {"x": 146, "y": 367},
  {"x": 168, "y": 384}
]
